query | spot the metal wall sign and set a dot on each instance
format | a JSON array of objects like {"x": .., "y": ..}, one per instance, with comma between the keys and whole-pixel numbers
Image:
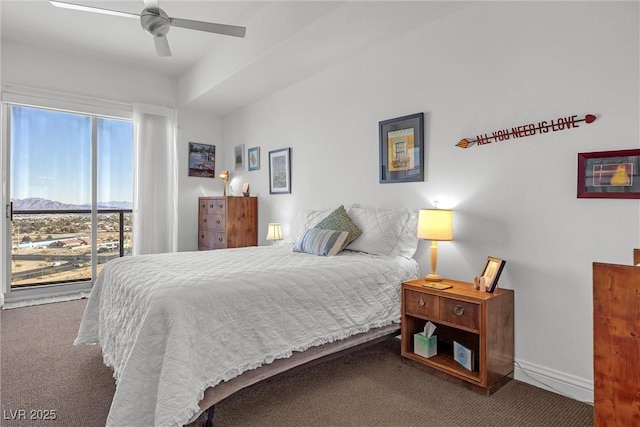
[{"x": 529, "y": 129}]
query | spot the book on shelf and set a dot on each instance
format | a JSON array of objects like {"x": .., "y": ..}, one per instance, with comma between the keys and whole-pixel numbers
[{"x": 463, "y": 355}]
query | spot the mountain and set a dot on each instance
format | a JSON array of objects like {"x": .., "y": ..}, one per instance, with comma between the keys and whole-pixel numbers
[{"x": 39, "y": 204}]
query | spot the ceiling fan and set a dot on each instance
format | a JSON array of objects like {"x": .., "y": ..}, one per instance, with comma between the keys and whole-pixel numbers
[{"x": 157, "y": 23}]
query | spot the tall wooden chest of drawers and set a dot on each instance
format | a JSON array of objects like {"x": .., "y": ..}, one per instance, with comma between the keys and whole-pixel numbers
[{"x": 227, "y": 222}]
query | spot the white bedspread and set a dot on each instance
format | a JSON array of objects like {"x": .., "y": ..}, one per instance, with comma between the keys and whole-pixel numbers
[{"x": 172, "y": 325}]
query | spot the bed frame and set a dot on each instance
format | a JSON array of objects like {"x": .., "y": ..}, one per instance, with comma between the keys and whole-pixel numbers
[
  {"x": 616, "y": 343},
  {"x": 298, "y": 360}
]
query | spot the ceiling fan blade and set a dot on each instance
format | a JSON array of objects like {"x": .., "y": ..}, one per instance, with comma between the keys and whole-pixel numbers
[
  {"x": 151, "y": 4},
  {"x": 162, "y": 46},
  {"x": 67, "y": 5},
  {"x": 228, "y": 30}
]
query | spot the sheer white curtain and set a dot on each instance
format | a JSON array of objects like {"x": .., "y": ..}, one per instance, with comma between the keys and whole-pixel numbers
[{"x": 155, "y": 207}]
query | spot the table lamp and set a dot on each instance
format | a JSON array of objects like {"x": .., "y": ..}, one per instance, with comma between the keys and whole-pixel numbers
[
  {"x": 274, "y": 232},
  {"x": 224, "y": 175},
  {"x": 435, "y": 225}
]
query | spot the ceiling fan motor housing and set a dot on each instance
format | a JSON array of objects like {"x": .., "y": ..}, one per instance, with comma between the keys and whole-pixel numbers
[{"x": 155, "y": 22}]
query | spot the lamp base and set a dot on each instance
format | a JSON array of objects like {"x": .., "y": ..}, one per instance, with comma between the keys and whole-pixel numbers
[{"x": 432, "y": 277}]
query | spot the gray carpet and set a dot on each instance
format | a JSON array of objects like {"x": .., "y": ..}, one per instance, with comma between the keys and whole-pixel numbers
[{"x": 40, "y": 369}]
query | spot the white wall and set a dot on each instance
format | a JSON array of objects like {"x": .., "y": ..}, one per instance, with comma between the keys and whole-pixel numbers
[
  {"x": 487, "y": 67},
  {"x": 201, "y": 128},
  {"x": 35, "y": 67}
]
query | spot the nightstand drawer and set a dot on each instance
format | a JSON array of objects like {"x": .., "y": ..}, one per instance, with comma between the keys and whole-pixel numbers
[
  {"x": 461, "y": 313},
  {"x": 421, "y": 304}
]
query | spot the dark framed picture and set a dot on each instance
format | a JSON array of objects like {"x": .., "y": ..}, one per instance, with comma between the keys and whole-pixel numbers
[
  {"x": 202, "y": 160},
  {"x": 609, "y": 174},
  {"x": 253, "y": 158},
  {"x": 280, "y": 171},
  {"x": 238, "y": 155},
  {"x": 491, "y": 272},
  {"x": 402, "y": 149}
]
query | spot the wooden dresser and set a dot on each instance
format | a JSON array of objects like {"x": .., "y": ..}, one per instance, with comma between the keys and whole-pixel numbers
[
  {"x": 616, "y": 344},
  {"x": 227, "y": 222}
]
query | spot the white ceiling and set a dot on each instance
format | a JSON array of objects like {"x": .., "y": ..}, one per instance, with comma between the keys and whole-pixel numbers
[{"x": 286, "y": 41}]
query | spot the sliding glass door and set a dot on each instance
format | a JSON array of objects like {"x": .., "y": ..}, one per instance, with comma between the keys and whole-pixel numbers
[{"x": 71, "y": 192}]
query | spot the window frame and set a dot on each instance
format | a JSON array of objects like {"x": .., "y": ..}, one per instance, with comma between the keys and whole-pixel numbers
[{"x": 44, "y": 99}]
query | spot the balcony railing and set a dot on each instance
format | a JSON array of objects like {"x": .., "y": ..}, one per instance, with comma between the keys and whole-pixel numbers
[{"x": 54, "y": 246}]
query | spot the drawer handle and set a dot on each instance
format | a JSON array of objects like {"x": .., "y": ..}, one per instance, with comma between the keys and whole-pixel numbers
[
  {"x": 217, "y": 221},
  {"x": 210, "y": 205},
  {"x": 204, "y": 220},
  {"x": 458, "y": 310},
  {"x": 421, "y": 302},
  {"x": 220, "y": 206},
  {"x": 220, "y": 239},
  {"x": 202, "y": 236},
  {"x": 202, "y": 205}
]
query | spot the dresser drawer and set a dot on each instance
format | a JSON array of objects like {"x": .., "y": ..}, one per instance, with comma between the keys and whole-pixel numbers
[
  {"x": 211, "y": 239},
  {"x": 216, "y": 206},
  {"x": 203, "y": 205},
  {"x": 421, "y": 304},
  {"x": 218, "y": 240},
  {"x": 460, "y": 313}
]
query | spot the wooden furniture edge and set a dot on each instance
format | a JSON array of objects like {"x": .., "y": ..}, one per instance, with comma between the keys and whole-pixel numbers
[
  {"x": 615, "y": 344},
  {"x": 298, "y": 360}
]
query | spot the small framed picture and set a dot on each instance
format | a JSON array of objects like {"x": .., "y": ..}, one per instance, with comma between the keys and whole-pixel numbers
[
  {"x": 280, "y": 171},
  {"x": 202, "y": 160},
  {"x": 491, "y": 272},
  {"x": 238, "y": 153},
  {"x": 609, "y": 174},
  {"x": 253, "y": 158}
]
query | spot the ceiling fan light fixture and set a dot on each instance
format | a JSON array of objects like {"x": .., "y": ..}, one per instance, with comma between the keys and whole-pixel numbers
[{"x": 155, "y": 22}]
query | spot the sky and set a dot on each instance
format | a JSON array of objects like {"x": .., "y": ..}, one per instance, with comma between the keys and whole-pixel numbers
[{"x": 51, "y": 156}]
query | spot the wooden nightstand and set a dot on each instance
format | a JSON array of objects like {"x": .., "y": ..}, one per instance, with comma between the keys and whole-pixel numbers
[{"x": 481, "y": 321}]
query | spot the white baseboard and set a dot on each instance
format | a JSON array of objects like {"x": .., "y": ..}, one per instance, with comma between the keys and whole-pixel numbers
[
  {"x": 47, "y": 300},
  {"x": 555, "y": 381}
]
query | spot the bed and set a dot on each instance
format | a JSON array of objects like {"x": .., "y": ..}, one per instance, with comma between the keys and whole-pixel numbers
[
  {"x": 183, "y": 331},
  {"x": 616, "y": 343}
]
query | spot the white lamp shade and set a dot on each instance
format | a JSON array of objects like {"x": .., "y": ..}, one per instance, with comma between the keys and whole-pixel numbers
[
  {"x": 435, "y": 224},
  {"x": 274, "y": 231}
]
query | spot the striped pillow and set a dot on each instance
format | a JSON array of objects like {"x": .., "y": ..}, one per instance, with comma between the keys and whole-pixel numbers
[
  {"x": 320, "y": 242},
  {"x": 340, "y": 220}
]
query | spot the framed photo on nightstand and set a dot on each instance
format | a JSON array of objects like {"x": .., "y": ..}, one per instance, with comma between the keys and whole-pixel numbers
[{"x": 491, "y": 272}]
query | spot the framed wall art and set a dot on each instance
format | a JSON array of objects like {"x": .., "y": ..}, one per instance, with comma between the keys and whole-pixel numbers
[
  {"x": 253, "y": 158},
  {"x": 280, "y": 171},
  {"x": 402, "y": 149},
  {"x": 238, "y": 155},
  {"x": 609, "y": 174},
  {"x": 202, "y": 160}
]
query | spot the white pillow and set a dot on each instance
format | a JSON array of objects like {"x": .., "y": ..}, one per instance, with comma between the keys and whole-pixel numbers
[
  {"x": 304, "y": 220},
  {"x": 387, "y": 232}
]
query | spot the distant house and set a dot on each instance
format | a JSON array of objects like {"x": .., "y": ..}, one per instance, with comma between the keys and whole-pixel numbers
[{"x": 57, "y": 244}]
